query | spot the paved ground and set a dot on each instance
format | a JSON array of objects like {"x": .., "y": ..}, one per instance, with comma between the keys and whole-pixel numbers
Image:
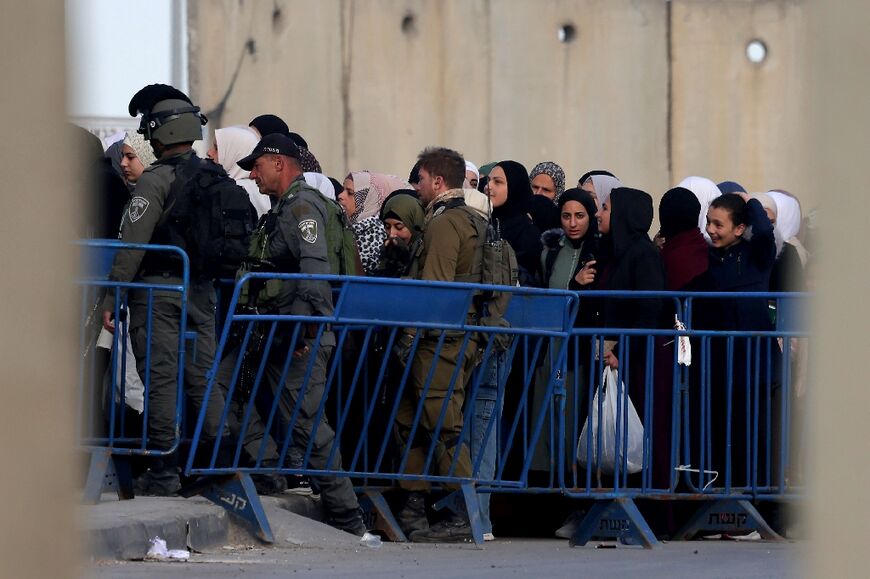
[{"x": 502, "y": 558}]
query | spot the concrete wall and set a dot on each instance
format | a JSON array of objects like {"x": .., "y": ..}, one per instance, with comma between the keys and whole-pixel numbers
[
  {"x": 839, "y": 49},
  {"x": 38, "y": 205},
  {"x": 371, "y": 82}
]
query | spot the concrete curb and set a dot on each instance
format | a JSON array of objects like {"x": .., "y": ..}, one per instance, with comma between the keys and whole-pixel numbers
[{"x": 122, "y": 529}]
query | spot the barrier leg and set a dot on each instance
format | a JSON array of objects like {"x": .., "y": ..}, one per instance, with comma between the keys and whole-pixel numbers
[
  {"x": 373, "y": 501},
  {"x": 618, "y": 519},
  {"x": 466, "y": 497},
  {"x": 727, "y": 516},
  {"x": 237, "y": 494},
  {"x": 106, "y": 473}
]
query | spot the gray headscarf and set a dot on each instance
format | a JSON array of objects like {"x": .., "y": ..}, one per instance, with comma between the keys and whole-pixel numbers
[
  {"x": 555, "y": 173},
  {"x": 604, "y": 184}
]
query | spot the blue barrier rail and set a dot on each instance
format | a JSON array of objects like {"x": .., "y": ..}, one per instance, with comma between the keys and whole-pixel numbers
[
  {"x": 546, "y": 370},
  {"x": 105, "y": 422},
  {"x": 721, "y": 430}
]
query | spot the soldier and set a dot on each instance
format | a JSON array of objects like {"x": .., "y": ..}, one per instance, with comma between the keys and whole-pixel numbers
[
  {"x": 292, "y": 237},
  {"x": 449, "y": 248},
  {"x": 171, "y": 123}
]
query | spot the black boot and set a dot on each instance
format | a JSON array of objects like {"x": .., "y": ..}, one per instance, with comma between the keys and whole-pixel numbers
[
  {"x": 454, "y": 529},
  {"x": 161, "y": 479},
  {"x": 269, "y": 484},
  {"x": 412, "y": 517},
  {"x": 349, "y": 521}
]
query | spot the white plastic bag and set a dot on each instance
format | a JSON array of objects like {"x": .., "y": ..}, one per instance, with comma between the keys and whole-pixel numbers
[
  {"x": 612, "y": 421},
  {"x": 134, "y": 389}
]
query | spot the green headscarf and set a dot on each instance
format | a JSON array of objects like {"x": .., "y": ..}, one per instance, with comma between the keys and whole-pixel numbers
[{"x": 407, "y": 209}]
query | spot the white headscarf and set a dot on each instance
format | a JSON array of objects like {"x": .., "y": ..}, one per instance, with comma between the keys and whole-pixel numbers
[
  {"x": 322, "y": 183},
  {"x": 705, "y": 190},
  {"x": 604, "y": 184},
  {"x": 233, "y": 144},
  {"x": 788, "y": 221},
  {"x": 141, "y": 147}
]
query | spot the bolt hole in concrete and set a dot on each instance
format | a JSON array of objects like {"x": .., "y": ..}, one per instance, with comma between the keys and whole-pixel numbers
[
  {"x": 756, "y": 51},
  {"x": 409, "y": 24},
  {"x": 567, "y": 33}
]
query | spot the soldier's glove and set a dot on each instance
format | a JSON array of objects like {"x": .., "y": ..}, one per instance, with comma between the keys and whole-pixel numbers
[{"x": 402, "y": 347}]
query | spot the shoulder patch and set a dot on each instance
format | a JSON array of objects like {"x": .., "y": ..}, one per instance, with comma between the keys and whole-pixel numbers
[
  {"x": 138, "y": 207},
  {"x": 308, "y": 227}
]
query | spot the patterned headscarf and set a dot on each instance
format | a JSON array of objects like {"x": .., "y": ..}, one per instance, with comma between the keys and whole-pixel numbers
[
  {"x": 370, "y": 190},
  {"x": 308, "y": 162},
  {"x": 141, "y": 147},
  {"x": 555, "y": 173}
]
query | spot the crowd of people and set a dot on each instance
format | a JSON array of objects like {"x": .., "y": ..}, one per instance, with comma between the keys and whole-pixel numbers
[{"x": 595, "y": 235}]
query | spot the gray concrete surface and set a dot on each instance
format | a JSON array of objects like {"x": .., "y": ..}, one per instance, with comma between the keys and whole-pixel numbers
[
  {"x": 502, "y": 558},
  {"x": 120, "y": 530}
]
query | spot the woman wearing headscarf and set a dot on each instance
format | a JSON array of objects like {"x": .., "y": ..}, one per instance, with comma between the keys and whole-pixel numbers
[
  {"x": 566, "y": 252},
  {"x": 685, "y": 256},
  {"x": 472, "y": 175},
  {"x": 548, "y": 179},
  {"x": 705, "y": 190},
  {"x": 635, "y": 265},
  {"x": 791, "y": 257},
  {"x": 231, "y": 144},
  {"x": 403, "y": 220},
  {"x": 322, "y": 183},
  {"x": 510, "y": 192},
  {"x": 600, "y": 184},
  {"x": 364, "y": 194},
  {"x": 136, "y": 155}
]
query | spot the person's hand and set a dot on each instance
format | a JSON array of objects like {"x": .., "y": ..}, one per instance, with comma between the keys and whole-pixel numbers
[
  {"x": 108, "y": 323},
  {"x": 744, "y": 195},
  {"x": 402, "y": 348},
  {"x": 586, "y": 275},
  {"x": 301, "y": 352},
  {"x": 611, "y": 360}
]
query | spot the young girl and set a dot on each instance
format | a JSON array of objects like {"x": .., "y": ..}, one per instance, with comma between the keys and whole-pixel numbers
[{"x": 737, "y": 265}]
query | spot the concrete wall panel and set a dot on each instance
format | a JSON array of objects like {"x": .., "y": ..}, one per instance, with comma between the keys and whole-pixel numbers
[{"x": 733, "y": 119}]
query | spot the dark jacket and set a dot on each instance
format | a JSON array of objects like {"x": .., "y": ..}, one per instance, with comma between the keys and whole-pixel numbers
[
  {"x": 743, "y": 267},
  {"x": 635, "y": 263},
  {"x": 516, "y": 227}
]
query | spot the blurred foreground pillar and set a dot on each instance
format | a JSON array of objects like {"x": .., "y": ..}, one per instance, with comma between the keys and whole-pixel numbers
[
  {"x": 38, "y": 208},
  {"x": 837, "y": 155}
]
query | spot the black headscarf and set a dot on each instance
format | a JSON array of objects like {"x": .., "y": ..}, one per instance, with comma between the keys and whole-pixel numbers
[
  {"x": 584, "y": 198},
  {"x": 544, "y": 214},
  {"x": 631, "y": 216},
  {"x": 519, "y": 197},
  {"x": 269, "y": 124},
  {"x": 678, "y": 211}
]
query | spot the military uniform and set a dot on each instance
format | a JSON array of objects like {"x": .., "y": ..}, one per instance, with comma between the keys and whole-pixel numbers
[
  {"x": 141, "y": 223},
  {"x": 449, "y": 248},
  {"x": 292, "y": 236}
]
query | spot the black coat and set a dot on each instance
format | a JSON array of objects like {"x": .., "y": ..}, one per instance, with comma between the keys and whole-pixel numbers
[
  {"x": 635, "y": 263},
  {"x": 743, "y": 267}
]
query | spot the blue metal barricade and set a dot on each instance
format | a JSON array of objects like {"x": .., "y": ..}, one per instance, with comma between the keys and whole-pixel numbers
[
  {"x": 113, "y": 402},
  {"x": 329, "y": 396}
]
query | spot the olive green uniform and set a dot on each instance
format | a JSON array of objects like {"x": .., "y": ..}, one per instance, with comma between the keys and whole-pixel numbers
[
  {"x": 146, "y": 210},
  {"x": 449, "y": 249},
  {"x": 293, "y": 237}
]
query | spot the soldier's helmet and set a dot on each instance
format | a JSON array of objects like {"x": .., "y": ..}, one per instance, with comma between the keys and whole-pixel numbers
[{"x": 168, "y": 115}]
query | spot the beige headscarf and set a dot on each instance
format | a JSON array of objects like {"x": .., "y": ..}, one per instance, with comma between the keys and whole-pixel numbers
[{"x": 370, "y": 190}]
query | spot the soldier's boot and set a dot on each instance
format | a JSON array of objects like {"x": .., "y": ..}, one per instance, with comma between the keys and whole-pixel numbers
[
  {"x": 412, "y": 517},
  {"x": 350, "y": 521},
  {"x": 454, "y": 529},
  {"x": 271, "y": 483},
  {"x": 162, "y": 479}
]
